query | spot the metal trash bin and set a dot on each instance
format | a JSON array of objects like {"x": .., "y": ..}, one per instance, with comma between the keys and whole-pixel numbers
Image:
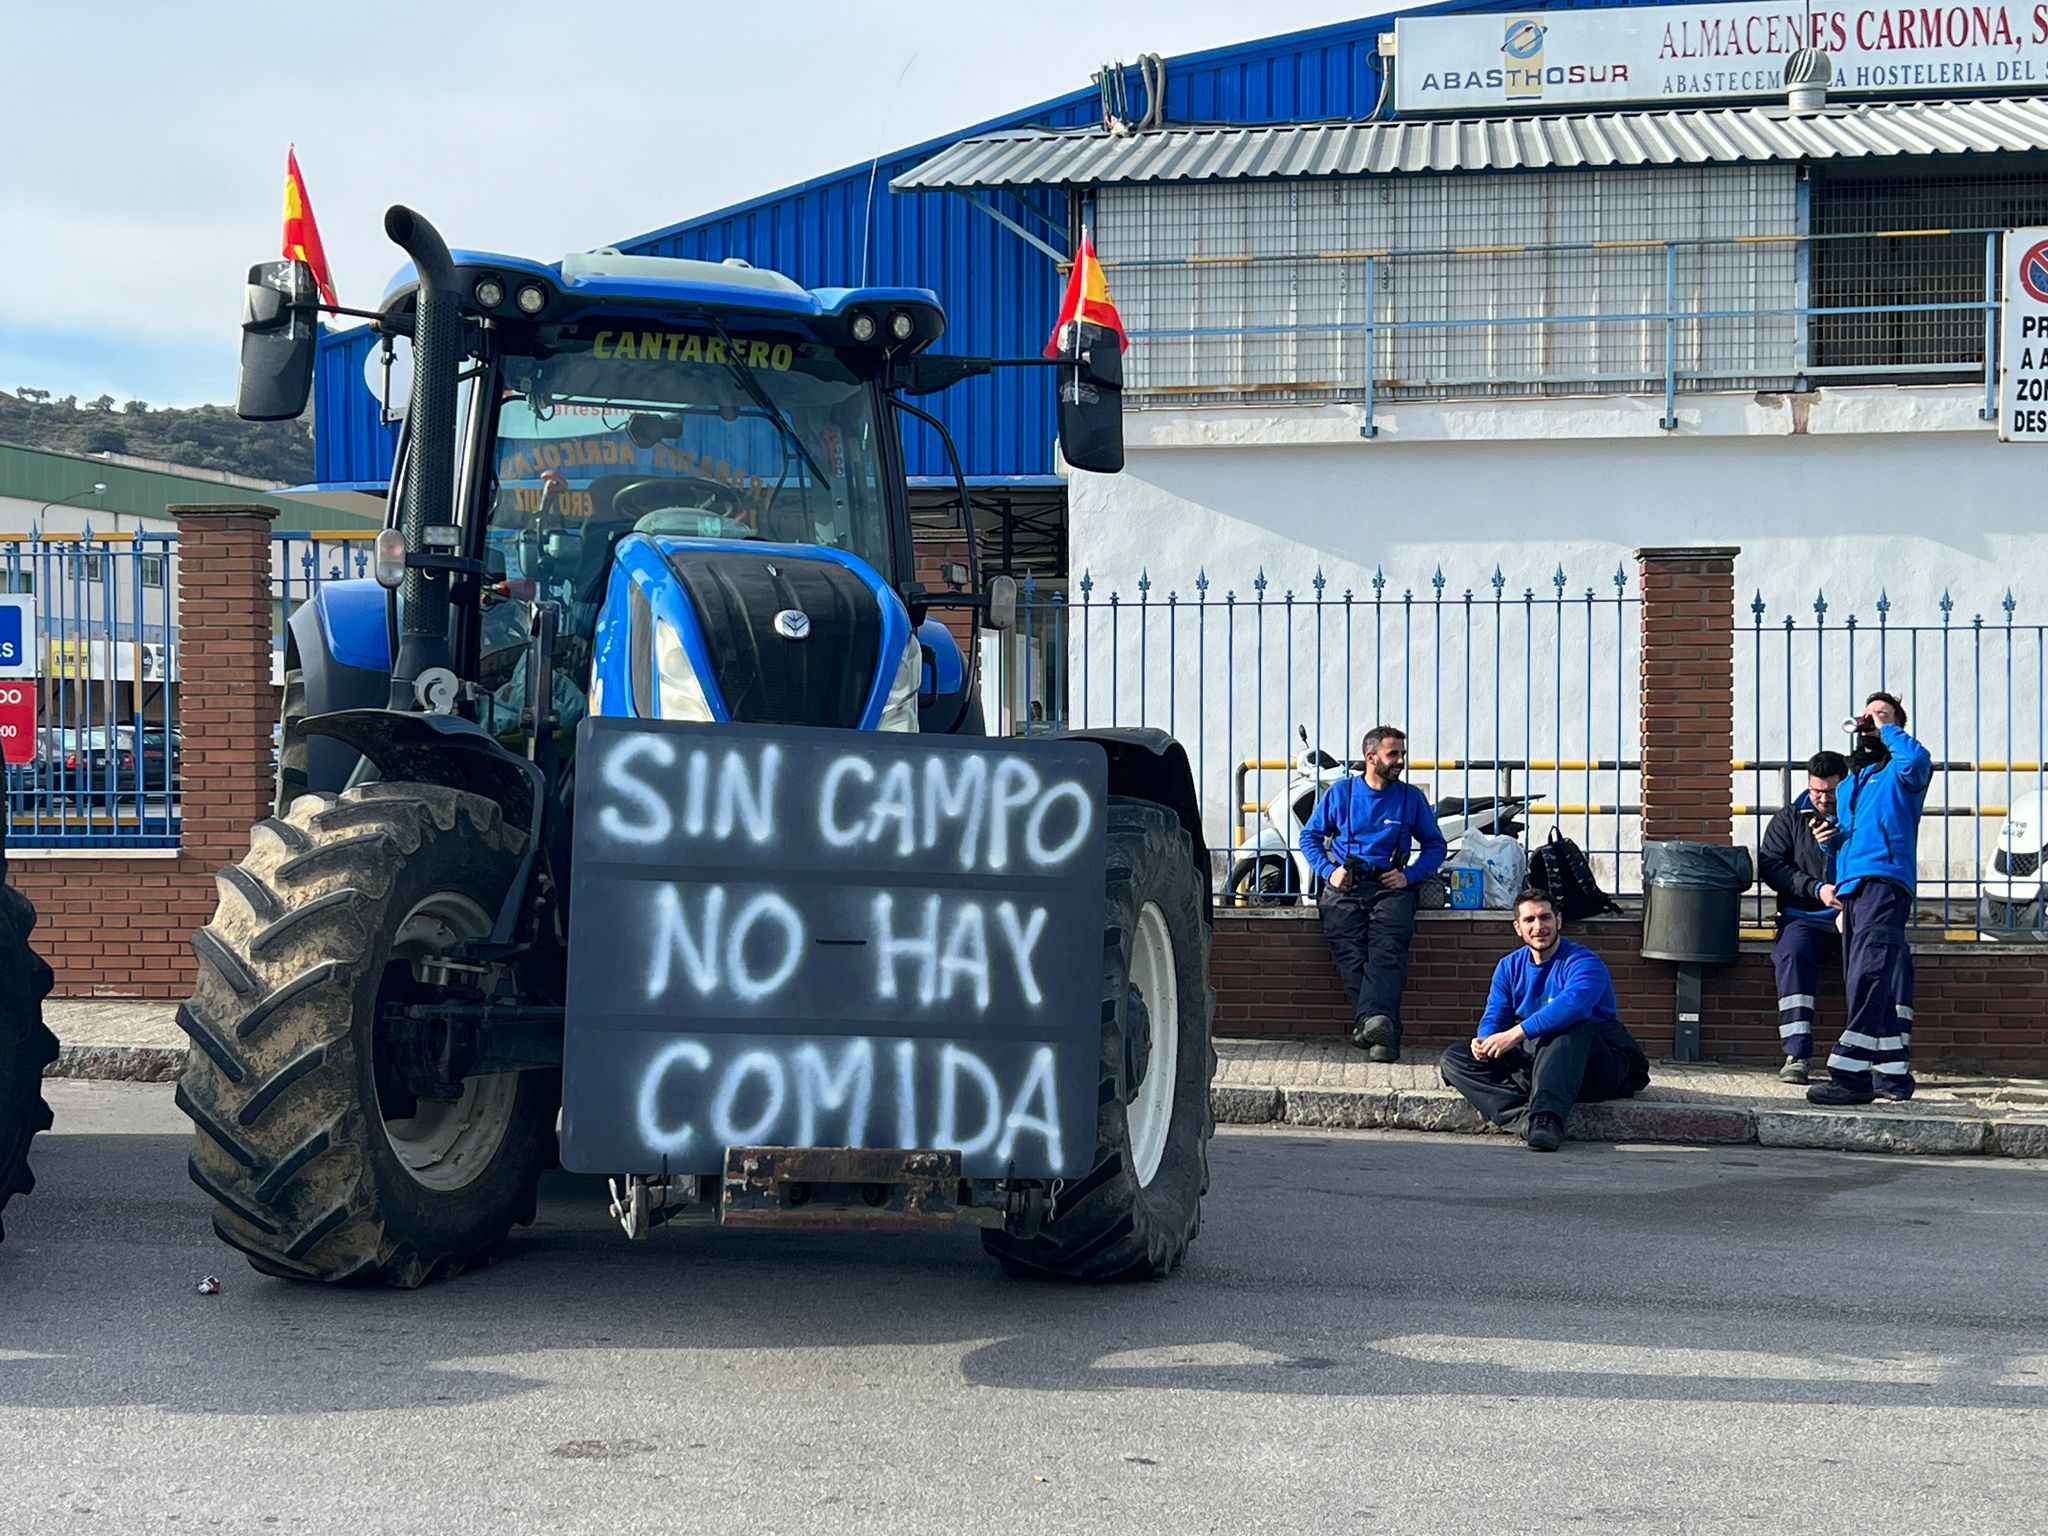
[{"x": 1692, "y": 902}]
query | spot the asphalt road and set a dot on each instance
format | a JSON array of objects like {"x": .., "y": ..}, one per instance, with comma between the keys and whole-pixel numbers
[{"x": 1374, "y": 1333}]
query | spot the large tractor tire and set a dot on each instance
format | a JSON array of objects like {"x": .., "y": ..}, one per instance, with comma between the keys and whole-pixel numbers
[
  {"x": 1133, "y": 1214},
  {"x": 292, "y": 749},
  {"x": 321, "y": 1166},
  {"x": 26, "y": 1046}
]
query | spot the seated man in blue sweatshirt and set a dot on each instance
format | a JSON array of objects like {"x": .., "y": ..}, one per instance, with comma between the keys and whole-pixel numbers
[
  {"x": 1550, "y": 1036},
  {"x": 1358, "y": 840}
]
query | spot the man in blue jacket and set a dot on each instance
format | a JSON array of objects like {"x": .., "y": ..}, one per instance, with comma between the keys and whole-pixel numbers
[
  {"x": 1550, "y": 1037},
  {"x": 1876, "y": 873},
  {"x": 1358, "y": 841}
]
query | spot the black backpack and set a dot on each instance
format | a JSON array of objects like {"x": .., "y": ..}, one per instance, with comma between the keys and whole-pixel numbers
[{"x": 1559, "y": 866}]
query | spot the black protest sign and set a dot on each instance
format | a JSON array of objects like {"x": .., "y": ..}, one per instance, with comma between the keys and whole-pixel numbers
[{"x": 832, "y": 938}]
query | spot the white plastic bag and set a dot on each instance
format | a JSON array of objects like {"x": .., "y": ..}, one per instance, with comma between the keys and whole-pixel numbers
[{"x": 1502, "y": 861}]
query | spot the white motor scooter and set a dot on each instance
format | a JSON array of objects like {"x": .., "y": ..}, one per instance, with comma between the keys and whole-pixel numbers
[
  {"x": 1271, "y": 870},
  {"x": 2010, "y": 888}
]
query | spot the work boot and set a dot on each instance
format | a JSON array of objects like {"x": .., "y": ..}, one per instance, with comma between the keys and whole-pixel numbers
[
  {"x": 1838, "y": 1095},
  {"x": 1545, "y": 1133},
  {"x": 1794, "y": 1070},
  {"x": 1380, "y": 1037}
]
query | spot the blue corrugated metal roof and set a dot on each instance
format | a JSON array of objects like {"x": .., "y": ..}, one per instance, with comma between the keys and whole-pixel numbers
[{"x": 999, "y": 293}]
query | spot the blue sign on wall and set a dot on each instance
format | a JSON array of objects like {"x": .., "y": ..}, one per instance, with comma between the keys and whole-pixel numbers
[{"x": 17, "y": 637}]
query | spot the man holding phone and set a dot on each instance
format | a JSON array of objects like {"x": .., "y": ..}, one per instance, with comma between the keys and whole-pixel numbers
[{"x": 1796, "y": 858}]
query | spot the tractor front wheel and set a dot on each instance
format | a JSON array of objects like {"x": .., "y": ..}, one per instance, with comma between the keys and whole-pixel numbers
[
  {"x": 1133, "y": 1214},
  {"x": 321, "y": 1163}
]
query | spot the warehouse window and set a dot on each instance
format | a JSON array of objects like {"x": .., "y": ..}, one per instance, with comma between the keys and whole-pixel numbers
[
  {"x": 1873, "y": 274},
  {"x": 1259, "y": 290}
]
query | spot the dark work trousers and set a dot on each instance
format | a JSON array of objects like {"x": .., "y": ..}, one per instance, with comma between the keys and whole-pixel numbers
[
  {"x": 1878, "y": 967},
  {"x": 1546, "y": 1076},
  {"x": 1368, "y": 940},
  {"x": 1803, "y": 943}
]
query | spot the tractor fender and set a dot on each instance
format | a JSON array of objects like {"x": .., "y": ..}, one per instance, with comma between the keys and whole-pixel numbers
[
  {"x": 1146, "y": 764},
  {"x": 454, "y": 753},
  {"x": 340, "y": 642},
  {"x": 437, "y": 749}
]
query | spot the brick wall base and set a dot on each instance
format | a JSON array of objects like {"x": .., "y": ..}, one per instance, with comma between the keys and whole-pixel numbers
[
  {"x": 117, "y": 927},
  {"x": 1978, "y": 1007}
]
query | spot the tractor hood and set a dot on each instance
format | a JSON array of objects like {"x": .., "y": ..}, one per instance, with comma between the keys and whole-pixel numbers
[{"x": 753, "y": 633}]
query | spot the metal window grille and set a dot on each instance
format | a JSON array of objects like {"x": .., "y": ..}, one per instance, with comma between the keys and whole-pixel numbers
[
  {"x": 1508, "y": 284},
  {"x": 1937, "y": 268}
]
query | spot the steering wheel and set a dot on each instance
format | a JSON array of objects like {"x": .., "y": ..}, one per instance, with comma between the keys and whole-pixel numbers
[{"x": 684, "y": 492}]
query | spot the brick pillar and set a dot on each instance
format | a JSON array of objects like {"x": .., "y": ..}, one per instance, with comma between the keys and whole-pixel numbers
[
  {"x": 1688, "y": 694},
  {"x": 224, "y": 699}
]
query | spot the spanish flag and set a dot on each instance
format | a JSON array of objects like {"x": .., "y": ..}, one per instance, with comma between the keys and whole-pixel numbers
[
  {"x": 1086, "y": 302},
  {"x": 301, "y": 233}
]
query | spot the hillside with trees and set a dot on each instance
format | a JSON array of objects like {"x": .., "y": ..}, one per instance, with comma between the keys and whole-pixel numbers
[{"x": 202, "y": 437}]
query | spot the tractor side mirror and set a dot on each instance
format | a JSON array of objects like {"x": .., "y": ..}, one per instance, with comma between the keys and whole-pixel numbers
[
  {"x": 1002, "y": 602},
  {"x": 280, "y": 329},
  {"x": 1091, "y": 404}
]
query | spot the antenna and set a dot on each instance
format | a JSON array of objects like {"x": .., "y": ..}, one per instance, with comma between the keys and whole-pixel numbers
[{"x": 867, "y": 219}]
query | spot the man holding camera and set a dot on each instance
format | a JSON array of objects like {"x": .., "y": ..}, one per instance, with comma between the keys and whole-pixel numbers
[
  {"x": 1358, "y": 841},
  {"x": 1797, "y": 861},
  {"x": 1875, "y": 877}
]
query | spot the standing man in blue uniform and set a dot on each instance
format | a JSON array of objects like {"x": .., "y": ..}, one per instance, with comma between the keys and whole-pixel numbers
[
  {"x": 1358, "y": 841},
  {"x": 1797, "y": 861},
  {"x": 1876, "y": 873},
  {"x": 1551, "y": 1036}
]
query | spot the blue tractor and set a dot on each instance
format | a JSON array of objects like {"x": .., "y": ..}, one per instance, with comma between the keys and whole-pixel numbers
[{"x": 640, "y": 814}]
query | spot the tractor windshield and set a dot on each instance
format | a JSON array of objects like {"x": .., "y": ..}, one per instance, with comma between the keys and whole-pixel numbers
[{"x": 698, "y": 432}]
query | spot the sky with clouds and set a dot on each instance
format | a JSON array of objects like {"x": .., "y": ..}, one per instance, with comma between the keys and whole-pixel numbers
[{"x": 146, "y": 162}]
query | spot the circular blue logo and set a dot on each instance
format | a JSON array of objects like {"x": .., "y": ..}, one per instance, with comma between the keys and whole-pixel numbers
[{"x": 1524, "y": 39}]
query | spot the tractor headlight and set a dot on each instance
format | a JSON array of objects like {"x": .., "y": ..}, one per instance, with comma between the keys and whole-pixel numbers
[
  {"x": 900, "y": 713},
  {"x": 682, "y": 692}
]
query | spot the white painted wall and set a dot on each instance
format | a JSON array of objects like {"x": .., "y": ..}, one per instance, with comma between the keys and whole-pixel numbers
[{"x": 1854, "y": 492}]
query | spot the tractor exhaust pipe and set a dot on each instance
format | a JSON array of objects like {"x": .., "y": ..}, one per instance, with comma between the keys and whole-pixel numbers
[{"x": 430, "y": 476}]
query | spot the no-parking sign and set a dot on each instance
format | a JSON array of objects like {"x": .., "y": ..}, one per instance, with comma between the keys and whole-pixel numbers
[
  {"x": 17, "y": 635},
  {"x": 2023, "y": 339}
]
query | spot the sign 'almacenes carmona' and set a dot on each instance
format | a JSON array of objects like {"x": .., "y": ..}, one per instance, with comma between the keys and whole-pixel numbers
[{"x": 1687, "y": 53}]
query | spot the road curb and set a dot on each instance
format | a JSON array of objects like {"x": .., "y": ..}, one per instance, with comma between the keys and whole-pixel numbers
[
  {"x": 1927, "y": 1135},
  {"x": 119, "y": 1063},
  {"x": 1666, "y": 1120}
]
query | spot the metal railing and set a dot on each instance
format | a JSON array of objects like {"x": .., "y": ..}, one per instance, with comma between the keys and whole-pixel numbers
[
  {"x": 1750, "y": 311},
  {"x": 104, "y": 761},
  {"x": 105, "y": 764},
  {"x": 1531, "y": 690},
  {"x": 1504, "y": 689},
  {"x": 1973, "y": 685}
]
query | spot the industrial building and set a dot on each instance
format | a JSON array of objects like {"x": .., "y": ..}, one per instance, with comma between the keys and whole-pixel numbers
[{"x": 1478, "y": 297}]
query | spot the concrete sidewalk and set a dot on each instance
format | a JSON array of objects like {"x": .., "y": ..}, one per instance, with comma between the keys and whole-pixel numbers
[{"x": 1327, "y": 1084}]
